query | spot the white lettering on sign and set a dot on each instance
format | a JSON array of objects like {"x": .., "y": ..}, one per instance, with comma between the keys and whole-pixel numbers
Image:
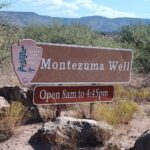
[
  {"x": 95, "y": 93},
  {"x": 48, "y": 64},
  {"x": 66, "y": 94},
  {"x": 49, "y": 95},
  {"x": 113, "y": 65},
  {"x": 45, "y": 64}
]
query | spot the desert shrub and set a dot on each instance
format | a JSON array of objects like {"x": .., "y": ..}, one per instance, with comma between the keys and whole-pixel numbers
[
  {"x": 122, "y": 92},
  {"x": 131, "y": 93},
  {"x": 71, "y": 34},
  {"x": 122, "y": 108},
  {"x": 104, "y": 112},
  {"x": 138, "y": 36},
  {"x": 120, "y": 111},
  {"x": 114, "y": 114},
  {"x": 142, "y": 61},
  {"x": 47, "y": 113},
  {"x": 17, "y": 112},
  {"x": 143, "y": 93},
  {"x": 119, "y": 90},
  {"x": 124, "y": 111},
  {"x": 13, "y": 116},
  {"x": 8, "y": 36}
]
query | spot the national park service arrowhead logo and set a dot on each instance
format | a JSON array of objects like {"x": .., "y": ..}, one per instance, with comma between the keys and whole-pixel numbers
[{"x": 26, "y": 58}]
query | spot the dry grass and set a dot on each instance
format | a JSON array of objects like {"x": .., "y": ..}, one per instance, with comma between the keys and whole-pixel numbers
[
  {"x": 114, "y": 114},
  {"x": 131, "y": 93},
  {"x": 120, "y": 111},
  {"x": 10, "y": 118},
  {"x": 16, "y": 113},
  {"x": 124, "y": 106},
  {"x": 143, "y": 93},
  {"x": 125, "y": 93},
  {"x": 47, "y": 113}
]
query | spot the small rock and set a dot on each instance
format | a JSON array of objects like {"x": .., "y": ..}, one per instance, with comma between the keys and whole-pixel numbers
[{"x": 3, "y": 103}]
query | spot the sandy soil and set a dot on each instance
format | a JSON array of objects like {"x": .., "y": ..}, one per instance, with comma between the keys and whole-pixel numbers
[{"x": 19, "y": 141}]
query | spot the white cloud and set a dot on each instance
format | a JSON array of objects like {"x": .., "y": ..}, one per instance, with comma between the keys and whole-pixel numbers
[
  {"x": 106, "y": 11},
  {"x": 64, "y": 12},
  {"x": 101, "y": 10},
  {"x": 71, "y": 8}
]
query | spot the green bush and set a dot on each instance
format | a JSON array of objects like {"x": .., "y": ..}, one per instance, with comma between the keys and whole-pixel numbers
[
  {"x": 8, "y": 36},
  {"x": 71, "y": 34},
  {"x": 138, "y": 36}
]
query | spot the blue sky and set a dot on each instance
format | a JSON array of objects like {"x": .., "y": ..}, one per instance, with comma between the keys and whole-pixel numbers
[{"x": 80, "y": 8}]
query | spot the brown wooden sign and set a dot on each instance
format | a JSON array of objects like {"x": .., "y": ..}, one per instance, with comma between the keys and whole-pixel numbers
[
  {"x": 72, "y": 94},
  {"x": 40, "y": 63}
]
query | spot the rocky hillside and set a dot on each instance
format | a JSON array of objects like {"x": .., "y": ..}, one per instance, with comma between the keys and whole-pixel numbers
[{"x": 97, "y": 23}]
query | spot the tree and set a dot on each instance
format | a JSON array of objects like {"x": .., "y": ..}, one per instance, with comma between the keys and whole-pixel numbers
[
  {"x": 138, "y": 36},
  {"x": 126, "y": 35},
  {"x": 4, "y": 4}
]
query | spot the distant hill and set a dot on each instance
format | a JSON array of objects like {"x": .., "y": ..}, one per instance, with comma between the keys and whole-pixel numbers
[{"x": 96, "y": 23}]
